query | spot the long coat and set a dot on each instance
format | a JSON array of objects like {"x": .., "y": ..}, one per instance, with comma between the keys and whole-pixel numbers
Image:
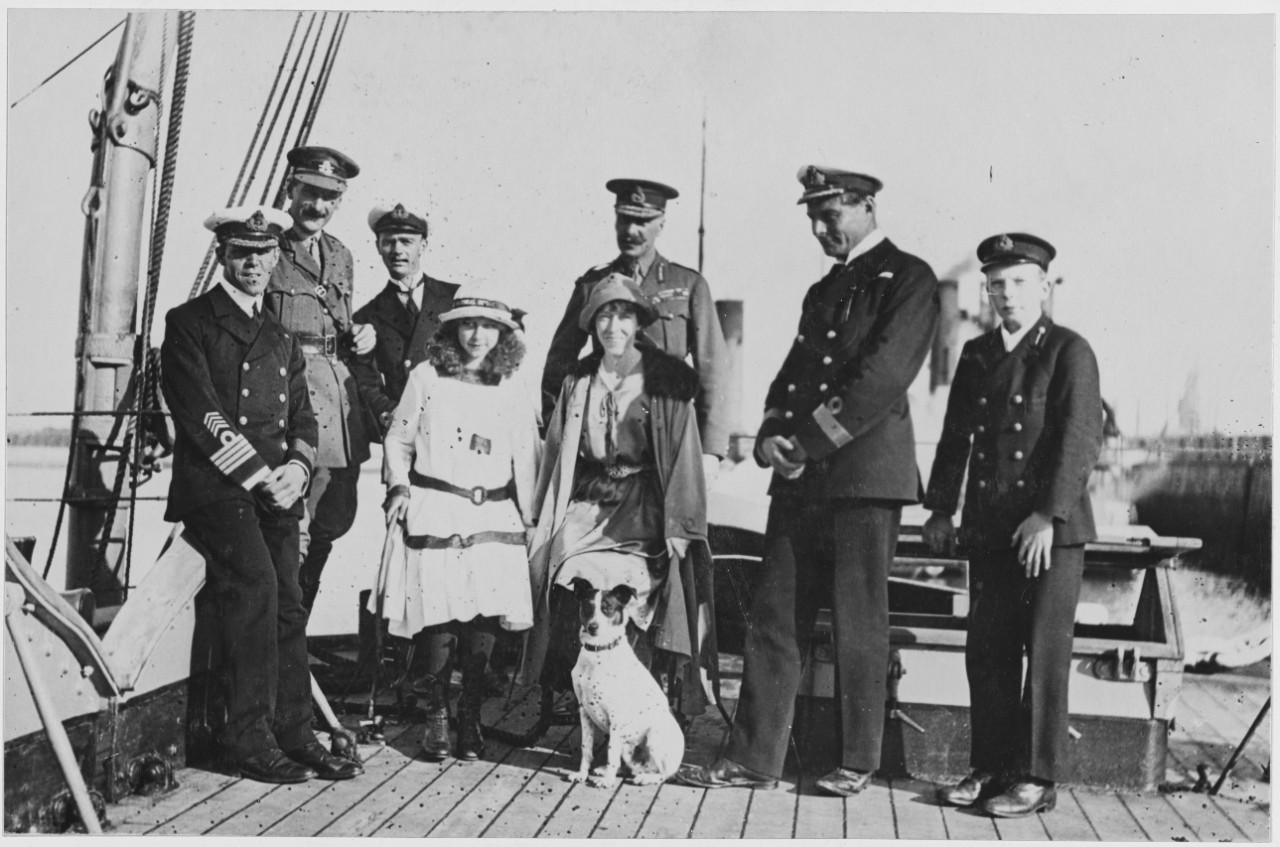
[
  {"x": 687, "y": 324},
  {"x": 1034, "y": 419},
  {"x": 307, "y": 301},
  {"x": 402, "y": 342},
  {"x": 865, "y": 330},
  {"x": 239, "y": 399},
  {"x": 677, "y": 450}
]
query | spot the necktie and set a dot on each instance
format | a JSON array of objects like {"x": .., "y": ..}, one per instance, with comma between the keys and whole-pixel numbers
[
  {"x": 257, "y": 313},
  {"x": 410, "y": 306}
]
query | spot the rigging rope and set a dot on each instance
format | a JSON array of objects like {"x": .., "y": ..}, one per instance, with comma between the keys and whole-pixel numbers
[
  {"x": 317, "y": 94},
  {"x": 284, "y": 136},
  {"x": 70, "y": 62},
  {"x": 206, "y": 267}
]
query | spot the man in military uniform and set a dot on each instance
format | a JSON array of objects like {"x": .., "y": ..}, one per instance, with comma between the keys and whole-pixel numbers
[
  {"x": 405, "y": 314},
  {"x": 1026, "y": 417},
  {"x": 837, "y": 433},
  {"x": 687, "y": 323},
  {"x": 236, "y": 384},
  {"x": 310, "y": 294}
]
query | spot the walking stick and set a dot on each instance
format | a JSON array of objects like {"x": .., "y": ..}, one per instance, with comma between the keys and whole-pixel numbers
[{"x": 1231, "y": 763}]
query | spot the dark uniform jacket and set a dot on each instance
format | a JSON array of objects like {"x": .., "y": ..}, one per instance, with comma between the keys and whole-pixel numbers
[
  {"x": 687, "y": 324},
  {"x": 1034, "y": 418},
  {"x": 402, "y": 342},
  {"x": 865, "y": 330},
  {"x": 239, "y": 398},
  {"x": 316, "y": 308}
]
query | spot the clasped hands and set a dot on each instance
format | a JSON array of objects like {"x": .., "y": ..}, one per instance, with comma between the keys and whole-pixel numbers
[
  {"x": 785, "y": 456},
  {"x": 284, "y": 485},
  {"x": 1033, "y": 538}
]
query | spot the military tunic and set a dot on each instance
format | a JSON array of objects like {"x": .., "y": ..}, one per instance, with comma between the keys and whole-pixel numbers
[
  {"x": 241, "y": 407},
  {"x": 1028, "y": 423},
  {"x": 841, "y": 393},
  {"x": 687, "y": 325},
  {"x": 402, "y": 341}
]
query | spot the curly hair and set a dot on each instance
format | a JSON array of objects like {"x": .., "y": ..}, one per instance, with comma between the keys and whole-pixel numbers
[{"x": 445, "y": 354}]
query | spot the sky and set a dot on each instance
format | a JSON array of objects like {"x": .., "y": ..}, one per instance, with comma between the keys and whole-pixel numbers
[{"x": 1142, "y": 146}]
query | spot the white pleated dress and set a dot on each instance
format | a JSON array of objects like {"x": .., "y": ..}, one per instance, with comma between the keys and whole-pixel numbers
[{"x": 467, "y": 435}]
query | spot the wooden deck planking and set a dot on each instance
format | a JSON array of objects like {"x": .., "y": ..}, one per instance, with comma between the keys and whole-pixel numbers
[
  {"x": 1225, "y": 709},
  {"x": 870, "y": 814},
  {"x": 213, "y": 811},
  {"x": 772, "y": 814},
  {"x": 1068, "y": 821},
  {"x": 967, "y": 825},
  {"x": 1110, "y": 818},
  {"x": 578, "y": 812},
  {"x": 530, "y": 808},
  {"x": 722, "y": 813},
  {"x": 1253, "y": 818},
  {"x": 270, "y": 807},
  {"x": 916, "y": 809},
  {"x": 624, "y": 816},
  {"x": 818, "y": 815},
  {"x": 389, "y": 799},
  {"x": 1203, "y": 815},
  {"x": 1158, "y": 819},
  {"x": 137, "y": 814},
  {"x": 1030, "y": 828}
]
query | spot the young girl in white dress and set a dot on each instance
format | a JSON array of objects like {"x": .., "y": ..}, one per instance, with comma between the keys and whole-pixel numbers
[{"x": 461, "y": 458}]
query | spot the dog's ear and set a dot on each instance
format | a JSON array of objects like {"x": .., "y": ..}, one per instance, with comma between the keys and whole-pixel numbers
[
  {"x": 582, "y": 587},
  {"x": 624, "y": 594}
]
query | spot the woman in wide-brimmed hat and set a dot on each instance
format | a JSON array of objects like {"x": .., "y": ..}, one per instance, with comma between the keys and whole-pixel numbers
[
  {"x": 460, "y": 465},
  {"x": 621, "y": 497}
]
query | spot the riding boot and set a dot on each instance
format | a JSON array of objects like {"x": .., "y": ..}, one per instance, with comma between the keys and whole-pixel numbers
[
  {"x": 470, "y": 739},
  {"x": 435, "y": 739}
]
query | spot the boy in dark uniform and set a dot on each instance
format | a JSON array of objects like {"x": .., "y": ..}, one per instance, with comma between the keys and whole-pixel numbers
[
  {"x": 837, "y": 432},
  {"x": 687, "y": 324},
  {"x": 246, "y": 442},
  {"x": 310, "y": 294},
  {"x": 405, "y": 314},
  {"x": 1026, "y": 416}
]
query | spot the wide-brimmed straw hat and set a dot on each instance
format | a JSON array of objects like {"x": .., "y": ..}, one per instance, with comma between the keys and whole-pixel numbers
[
  {"x": 479, "y": 301},
  {"x": 617, "y": 287}
]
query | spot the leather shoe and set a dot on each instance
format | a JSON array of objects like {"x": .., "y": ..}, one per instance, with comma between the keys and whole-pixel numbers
[
  {"x": 725, "y": 774},
  {"x": 273, "y": 766},
  {"x": 1022, "y": 799},
  {"x": 844, "y": 782},
  {"x": 974, "y": 787},
  {"x": 325, "y": 764}
]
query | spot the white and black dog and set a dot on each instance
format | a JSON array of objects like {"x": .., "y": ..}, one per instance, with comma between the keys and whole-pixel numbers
[{"x": 618, "y": 695}]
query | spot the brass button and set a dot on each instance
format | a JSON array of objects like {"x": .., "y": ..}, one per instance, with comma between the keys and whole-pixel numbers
[
  {"x": 981, "y": 428},
  {"x": 822, "y": 387},
  {"x": 284, "y": 398},
  {"x": 281, "y": 422},
  {"x": 245, "y": 366},
  {"x": 244, "y": 393},
  {"x": 982, "y": 456},
  {"x": 1017, "y": 427},
  {"x": 406, "y": 363},
  {"x": 982, "y": 401},
  {"x": 826, "y": 360},
  {"x": 283, "y": 372},
  {"x": 243, "y": 420},
  {"x": 1017, "y": 454},
  {"x": 1020, "y": 484},
  {"x": 789, "y": 415},
  {"x": 284, "y": 445},
  {"x": 800, "y": 338},
  {"x": 1017, "y": 398},
  {"x": 831, "y": 333},
  {"x": 982, "y": 483},
  {"x": 791, "y": 387}
]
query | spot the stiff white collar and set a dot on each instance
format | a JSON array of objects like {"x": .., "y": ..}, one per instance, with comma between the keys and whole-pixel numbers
[
  {"x": 1011, "y": 339},
  {"x": 246, "y": 302},
  {"x": 873, "y": 238}
]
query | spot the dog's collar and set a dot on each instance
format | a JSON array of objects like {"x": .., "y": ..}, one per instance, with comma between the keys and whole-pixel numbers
[{"x": 598, "y": 648}]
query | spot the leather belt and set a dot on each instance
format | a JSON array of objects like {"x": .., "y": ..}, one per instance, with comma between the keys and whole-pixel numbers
[
  {"x": 319, "y": 345},
  {"x": 436, "y": 542},
  {"x": 477, "y": 495}
]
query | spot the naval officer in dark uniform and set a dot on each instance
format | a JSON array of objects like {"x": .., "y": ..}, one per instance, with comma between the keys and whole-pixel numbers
[
  {"x": 687, "y": 323},
  {"x": 1026, "y": 417},
  {"x": 236, "y": 384},
  {"x": 310, "y": 294},
  {"x": 405, "y": 314},
  {"x": 837, "y": 433}
]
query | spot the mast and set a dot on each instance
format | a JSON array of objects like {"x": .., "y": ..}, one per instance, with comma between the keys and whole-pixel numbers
[{"x": 124, "y": 144}]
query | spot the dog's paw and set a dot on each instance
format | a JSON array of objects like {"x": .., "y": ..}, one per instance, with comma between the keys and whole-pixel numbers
[
  {"x": 577, "y": 776},
  {"x": 603, "y": 770},
  {"x": 649, "y": 779},
  {"x": 602, "y": 781}
]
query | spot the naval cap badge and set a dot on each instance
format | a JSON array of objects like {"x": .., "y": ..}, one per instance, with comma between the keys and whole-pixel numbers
[
  {"x": 257, "y": 222},
  {"x": 637, "y": 196},
  {"x": 1005, "y": 244},
  {"x": 326, "y": 167}
]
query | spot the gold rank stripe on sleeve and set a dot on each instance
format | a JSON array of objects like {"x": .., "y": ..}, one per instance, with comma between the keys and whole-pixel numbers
[
  {"x": 304, "y": 450},
  {"x": 234, "y": 456},
  {"x": 825, "y": 418}
]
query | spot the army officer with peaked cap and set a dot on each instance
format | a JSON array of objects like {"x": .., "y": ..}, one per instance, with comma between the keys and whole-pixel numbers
[
  {"x": 687, "y": 323},
  {"x": 1025, "y": 416},
  {"x": 311, "y": 295},
  {"x": 405, "y": 313},
  {"x": 837, "y": 433},
  {"x": 235, "y": 381}
]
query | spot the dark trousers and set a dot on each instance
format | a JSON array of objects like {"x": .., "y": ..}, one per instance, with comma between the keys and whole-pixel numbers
[
  {"x": 331, "y": 510},
  {"x": 252, "y": 573},
  {"x": 1020, "y": 726},
  {"x": 818, "y": 553}
]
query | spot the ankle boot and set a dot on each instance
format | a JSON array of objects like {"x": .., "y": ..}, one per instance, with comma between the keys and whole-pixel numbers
[
  {"x": 435, "y": 739},
  {"x": 470, "y": 738}
]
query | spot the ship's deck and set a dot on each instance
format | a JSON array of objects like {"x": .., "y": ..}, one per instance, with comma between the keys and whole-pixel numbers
[{"x": 523, "y": 793}]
